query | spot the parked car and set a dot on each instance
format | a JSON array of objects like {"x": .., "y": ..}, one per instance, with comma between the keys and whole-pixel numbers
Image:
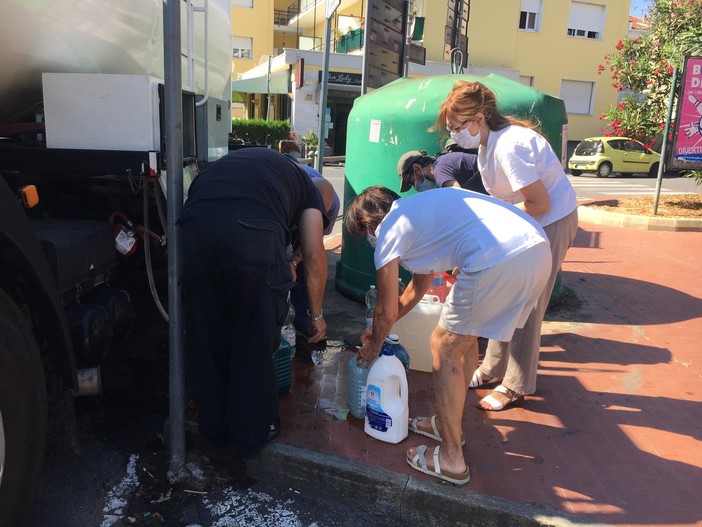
[{"x": 604, "y": 155}]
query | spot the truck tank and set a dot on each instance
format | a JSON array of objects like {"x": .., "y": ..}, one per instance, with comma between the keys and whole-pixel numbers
[{"x": 99, "y": 36}]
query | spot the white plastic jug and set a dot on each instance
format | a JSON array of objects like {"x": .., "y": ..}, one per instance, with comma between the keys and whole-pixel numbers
[
  {"x": 387, "y": 409},
  {"x": 415, "y": 328}
]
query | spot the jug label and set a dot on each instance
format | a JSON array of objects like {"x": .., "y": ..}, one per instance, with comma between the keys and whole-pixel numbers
[{"x": 377, "y": 419}]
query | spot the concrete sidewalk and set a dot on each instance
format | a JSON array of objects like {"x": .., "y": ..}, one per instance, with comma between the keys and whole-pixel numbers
[{"x": 613, "y": 435}]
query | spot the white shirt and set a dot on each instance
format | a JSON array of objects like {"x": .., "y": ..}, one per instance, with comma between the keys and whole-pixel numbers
[
  {"x": 440, "y": 229},
  {"x": 516, "y": 157}
]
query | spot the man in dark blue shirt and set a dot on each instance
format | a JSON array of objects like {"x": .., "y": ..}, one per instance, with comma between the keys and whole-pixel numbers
[
  {"x": 238, "y": 221},
  {"x": 419, "y": 170}
]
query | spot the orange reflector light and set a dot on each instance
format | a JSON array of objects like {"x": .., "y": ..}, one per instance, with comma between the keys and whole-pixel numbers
[{"x": 30, "y": 196}]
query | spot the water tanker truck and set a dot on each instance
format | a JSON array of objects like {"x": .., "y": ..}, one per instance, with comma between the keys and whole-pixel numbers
[{"x": 82, "y": 166}]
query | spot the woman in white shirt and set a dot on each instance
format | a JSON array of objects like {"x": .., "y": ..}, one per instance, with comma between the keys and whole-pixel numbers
[{"x": 517, "y": 165}]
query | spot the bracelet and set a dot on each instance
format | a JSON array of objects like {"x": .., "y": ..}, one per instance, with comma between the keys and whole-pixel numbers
[{"x": 314, "y": 318}]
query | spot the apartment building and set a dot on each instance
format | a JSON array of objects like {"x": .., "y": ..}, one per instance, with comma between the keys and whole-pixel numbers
[{"x": 554, "y": 46}]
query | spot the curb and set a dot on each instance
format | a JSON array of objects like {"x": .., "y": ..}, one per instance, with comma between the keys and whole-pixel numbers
[
  {"x": 630, "y": 221},
  {"x": 393, "y": 498}
]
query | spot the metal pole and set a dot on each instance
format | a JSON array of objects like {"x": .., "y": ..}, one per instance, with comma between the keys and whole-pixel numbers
[
  {"x": 268, "y": 89},
  {"x": 174, "y": 174},
  {"x": 323, "y": 97},
  {"x": 659, "y": 180},
  {"x": 366, "y": 40},
  {"x": 407, "y": 29}
]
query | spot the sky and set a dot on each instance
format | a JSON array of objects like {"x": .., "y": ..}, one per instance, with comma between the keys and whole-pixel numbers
[{"x": 638, "y": 8}]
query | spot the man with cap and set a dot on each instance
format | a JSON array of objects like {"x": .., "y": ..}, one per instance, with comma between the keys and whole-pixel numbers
[{"x": 453, "y": 168}]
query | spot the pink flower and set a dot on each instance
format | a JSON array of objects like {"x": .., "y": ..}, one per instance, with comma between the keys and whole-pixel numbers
[
  {"x": 619, "y": 45},
  {"x": 671, "y": 70},
  {"x": 656, "y": 71}
]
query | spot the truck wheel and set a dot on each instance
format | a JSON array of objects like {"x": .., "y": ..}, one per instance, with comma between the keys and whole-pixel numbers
[{"x": 23, "y": 414}]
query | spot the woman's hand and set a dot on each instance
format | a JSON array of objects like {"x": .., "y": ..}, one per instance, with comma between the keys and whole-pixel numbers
[{"x": 366, "y": 353}]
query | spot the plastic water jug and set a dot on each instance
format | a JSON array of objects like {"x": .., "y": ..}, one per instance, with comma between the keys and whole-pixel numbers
[
  {"x": 415, "y": 328},
  {"x": 387, "y": 411},
  {"x": 356, "y": 387},
  {"x": 288, "y": 330},
  {"x": 371, "y": 299},
  {"x": 282, "y": 364},
  {"x": 399, "y": 351}
]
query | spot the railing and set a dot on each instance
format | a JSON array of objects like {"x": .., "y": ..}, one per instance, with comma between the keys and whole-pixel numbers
[
  {"x": 350, "y": 41},
  {"x": 298, "y": 7},
  {"x": 281, "y": 18}
]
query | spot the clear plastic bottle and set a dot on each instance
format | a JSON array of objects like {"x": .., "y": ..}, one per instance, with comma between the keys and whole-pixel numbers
[
  {"x": 400, "y": 351},
  {"x": 356, "y": 387},
  {"x": 371, "y": 299},
  {"x": 288, "y": 330}
]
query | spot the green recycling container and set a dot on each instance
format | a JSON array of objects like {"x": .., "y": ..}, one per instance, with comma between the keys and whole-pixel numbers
[{"x": 391, "y": 120}]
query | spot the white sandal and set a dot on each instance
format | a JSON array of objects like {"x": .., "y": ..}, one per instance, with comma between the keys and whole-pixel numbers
[
  {"x": 495, "y": 406},
  {"x": 419, "y": 462},
  {"x": 479, "y": 379},
  {"x": 434, "y": 434}
]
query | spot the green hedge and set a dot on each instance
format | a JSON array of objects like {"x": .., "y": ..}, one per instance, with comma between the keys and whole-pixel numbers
[{"x": 261, "y": 131}]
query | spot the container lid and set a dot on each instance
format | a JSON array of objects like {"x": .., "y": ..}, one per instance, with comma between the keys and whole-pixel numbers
[{"x": 392, "y": 338}]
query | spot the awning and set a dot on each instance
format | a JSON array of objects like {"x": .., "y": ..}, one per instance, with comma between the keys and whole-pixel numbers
[{"x": 280, "y": 83}]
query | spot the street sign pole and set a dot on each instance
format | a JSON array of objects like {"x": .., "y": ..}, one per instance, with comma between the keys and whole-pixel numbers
[{"x": 332, "y": 6}]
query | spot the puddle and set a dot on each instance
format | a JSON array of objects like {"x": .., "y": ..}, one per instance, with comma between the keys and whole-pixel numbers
[
  {"x": 325, "y": 356},
  {"x": 336, "y": 406}
]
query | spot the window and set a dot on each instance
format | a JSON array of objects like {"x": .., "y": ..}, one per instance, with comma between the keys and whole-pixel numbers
[
  {"x": 586, "y": 20},
  {"x": 242, "y": 47},
  {"x": 633, "y": 146},
  {"x": 242, "y": 3},
  {"x": 530, "y": 15},
  {"x": 578, "y": 96},
  {"x": 526, "y": 80}
]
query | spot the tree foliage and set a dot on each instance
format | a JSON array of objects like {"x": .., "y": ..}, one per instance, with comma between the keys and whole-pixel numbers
[{"x": 642, "y": 68}]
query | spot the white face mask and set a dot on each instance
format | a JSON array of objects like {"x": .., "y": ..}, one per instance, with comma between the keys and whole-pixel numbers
[
  {"x": 372, "y": 240},
  {"x": 465, "y": 140}
]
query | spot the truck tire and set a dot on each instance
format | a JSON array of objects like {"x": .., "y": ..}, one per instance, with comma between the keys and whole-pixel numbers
[{"x": 23, "y": 413}]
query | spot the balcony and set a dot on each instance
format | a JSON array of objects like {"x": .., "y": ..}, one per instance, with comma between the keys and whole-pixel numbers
[{"x": 350, "y": 41}]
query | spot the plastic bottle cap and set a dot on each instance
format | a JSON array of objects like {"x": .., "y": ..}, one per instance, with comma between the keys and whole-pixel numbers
[
  {"x": 392, "y": 338},
  {"x": 387, "y": 350}
]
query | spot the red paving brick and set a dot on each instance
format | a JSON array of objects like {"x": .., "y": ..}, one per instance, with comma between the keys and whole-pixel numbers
[{"x": 614, "y": 432}]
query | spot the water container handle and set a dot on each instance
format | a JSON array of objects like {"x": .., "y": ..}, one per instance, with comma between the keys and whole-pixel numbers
[{"x": 430, "y": 299}]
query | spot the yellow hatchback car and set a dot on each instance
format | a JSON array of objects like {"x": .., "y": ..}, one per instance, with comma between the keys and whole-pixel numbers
[{"x": 605, "y": 155}]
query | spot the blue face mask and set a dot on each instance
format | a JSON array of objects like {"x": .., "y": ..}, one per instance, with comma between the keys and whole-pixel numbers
[{"x": 424, "y": 185}]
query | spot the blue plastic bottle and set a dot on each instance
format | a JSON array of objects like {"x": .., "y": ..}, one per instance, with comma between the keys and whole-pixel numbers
[
  {"x": 399, "y": 351},
  {"x": 282, "y": 364},
  {"x": 356, "y": 388}
]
